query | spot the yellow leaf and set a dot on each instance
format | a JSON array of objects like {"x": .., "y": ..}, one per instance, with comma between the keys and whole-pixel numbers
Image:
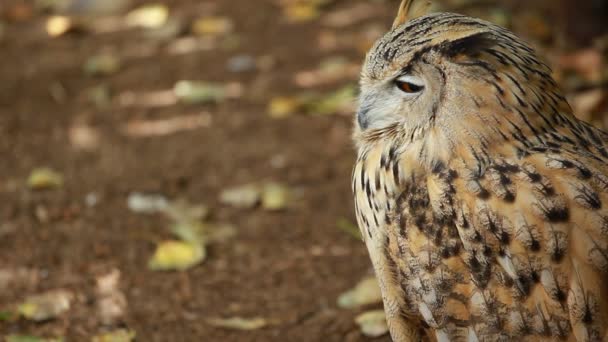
[
  {"x": 245, "y": 196},
  {"x": 372, "y": 323},
  {"x": 44, "y": 178},
  {"x": 365, "y": 292},
  {"x": 45, "y": 306},
  {"x": 148, "y": 16},
  {"x": 275, "y": 196},
  {"x": 120, "y": 335},
  {"x": 281, "y": 107},
  {"x": 239, "y": 323},
  {"x": 58, "y": 25},
  {"x": 301, "y": 12},
  {"x": 212, "y": 26},
  {"x": 176, "y": 255}
]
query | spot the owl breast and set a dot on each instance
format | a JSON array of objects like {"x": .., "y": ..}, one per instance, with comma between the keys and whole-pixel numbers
[{"x": 514, "y": 247}]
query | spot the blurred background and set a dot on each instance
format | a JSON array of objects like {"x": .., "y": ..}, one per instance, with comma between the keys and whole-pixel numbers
[{"x": 179, "y": 170}]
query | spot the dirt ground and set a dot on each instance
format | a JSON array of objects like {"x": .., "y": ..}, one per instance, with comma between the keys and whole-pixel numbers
[{"x": 287, "y": 266}]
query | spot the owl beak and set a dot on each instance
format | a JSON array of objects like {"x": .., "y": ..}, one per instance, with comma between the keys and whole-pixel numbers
[{"x": 363, "y": 117}]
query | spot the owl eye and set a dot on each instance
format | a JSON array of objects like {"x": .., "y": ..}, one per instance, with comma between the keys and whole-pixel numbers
[{"x": 409, "y": 84}]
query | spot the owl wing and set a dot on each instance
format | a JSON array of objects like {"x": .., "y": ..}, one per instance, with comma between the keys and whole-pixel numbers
[{"x": 516, "y": 247}]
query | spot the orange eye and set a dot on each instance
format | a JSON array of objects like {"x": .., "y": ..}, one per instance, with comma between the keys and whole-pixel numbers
[{"x": 408, "y": 87}]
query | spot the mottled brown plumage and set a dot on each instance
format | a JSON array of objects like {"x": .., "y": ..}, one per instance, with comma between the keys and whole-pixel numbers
[{"x": 482, "y": 200}]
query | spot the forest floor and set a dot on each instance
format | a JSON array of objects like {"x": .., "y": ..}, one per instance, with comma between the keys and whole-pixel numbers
[{"x": 115, "y": 130}]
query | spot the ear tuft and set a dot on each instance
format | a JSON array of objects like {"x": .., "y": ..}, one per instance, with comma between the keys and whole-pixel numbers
[
  {"x": 470, "y": 45},
  {"x": 411, "y": 9}
]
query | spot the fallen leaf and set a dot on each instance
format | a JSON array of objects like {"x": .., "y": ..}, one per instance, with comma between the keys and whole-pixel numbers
[
  {"x": 120, "y": 335},
  {"x": 274, "y": 196},
  {"x": 148, "y": 16},
  {"x": 83, "y": 136},
  {"x": 176, "y": 255},
  {"x": 199, "y": 92},
  {"x": 44, "y": 178},
  {"x": 146, "y": 204},
  {"x": 281, "y": 107},
  {"x": 301, "y": 12},
  {"x": 245, "y": 196},
  {"x": 212, "y": 26},
  {"x": 101, "y": 65},
  {"x": 372, "y": 323},
  {"x": 350, "y": 228},
  {"x": 150, "y": 128},
  {"x": 111, "y": 301},
  {"x": 27, "y": 338},
  {"x": 365, "y": 292},
  {"x": 189, "y": 231},
  {"x": 45, "y": 306},
  {"x": 238, "y": 323},
  {"x": 58, "y": 25}
]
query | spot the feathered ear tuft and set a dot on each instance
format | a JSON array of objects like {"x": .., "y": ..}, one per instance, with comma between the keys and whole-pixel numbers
[{"x": 411, "y": 9}]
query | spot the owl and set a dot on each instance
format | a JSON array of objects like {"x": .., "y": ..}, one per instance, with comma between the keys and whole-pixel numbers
[{"x": 482, "y": 199}]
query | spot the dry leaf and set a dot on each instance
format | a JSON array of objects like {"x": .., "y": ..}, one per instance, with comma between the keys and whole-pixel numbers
[
  {"x": 58, "y": 25},
  {"x": 246, "y": 196},
  {"x": 44, "y": 178},
  {"x": 45, "y": 306},
  {"x": 212, "y": 26},
  {"x": 281, "y": 107},
  {"x": 189, "y": 231},
  {"x": 274, "y": 196},
  {"x": 111, "y": 301},
  {"x": 365, "y": 292},
  {"x": 372, "y": 323},
  {"x": 176, "y": 255},
  {"x": 238, "y": 323},
  {"x": 26, "y": 338},
  {"x": 120, "y": 335},
  {"x": 199, "y": 92},
  {"x": 147, "y": 204},
  {"x": 161, "y": 127},
  {"x": 83, "y": 136},
  {"x": 148, "y": 16},
  {"x": 301, "y": 12}
]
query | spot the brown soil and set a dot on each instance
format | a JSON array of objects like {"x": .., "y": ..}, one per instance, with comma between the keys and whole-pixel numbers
[{"x": 287, "y": 266}]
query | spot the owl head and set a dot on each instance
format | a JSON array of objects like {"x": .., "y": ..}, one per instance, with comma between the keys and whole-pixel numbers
[{"x": 457, "y": 77}]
